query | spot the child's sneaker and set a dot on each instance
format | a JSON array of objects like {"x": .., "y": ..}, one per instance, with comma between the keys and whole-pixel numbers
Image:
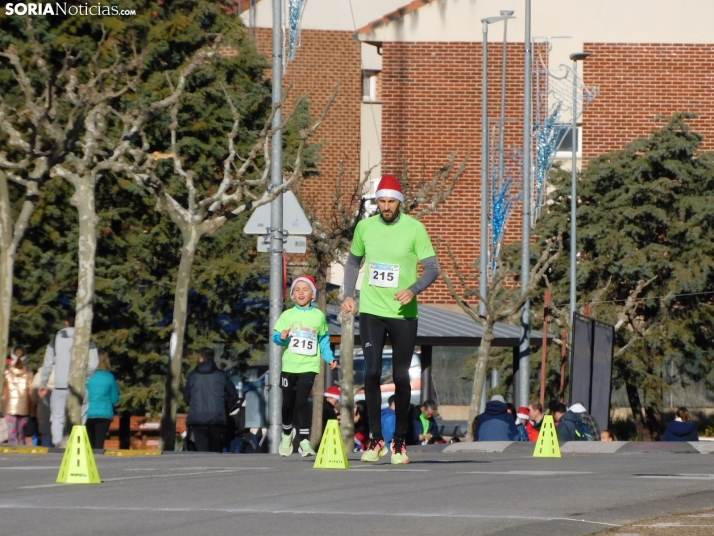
[
  {"x": 305, "y": 448},
  {"x": 286, "y": 443},
  {"x": 375, "y": 450},
  {"x": 399, "y": 451}
]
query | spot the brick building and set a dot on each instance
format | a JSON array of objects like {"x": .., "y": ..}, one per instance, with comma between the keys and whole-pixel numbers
[{"x": 420, "y": 71}]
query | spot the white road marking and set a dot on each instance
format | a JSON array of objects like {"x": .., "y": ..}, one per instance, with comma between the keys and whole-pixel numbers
[
  {"x": 193, "y": 468},
  {"x": 529, "y": 473},
  {"x": 681, "y": 476},
  {"x": 29, "y": 468},
  {"x": 116, "y": 508},
  {"x": 117, "y": 479}
]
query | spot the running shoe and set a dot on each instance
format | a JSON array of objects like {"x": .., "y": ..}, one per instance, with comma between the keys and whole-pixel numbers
[
  {"x": 375, "y": 450},
  {"x": 399, "y": 451},
  {"x": 286, "y": 443},
  {"x": 305, "y": 449}
]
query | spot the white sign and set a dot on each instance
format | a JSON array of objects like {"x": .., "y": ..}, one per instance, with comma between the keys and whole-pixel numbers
[
  {"x": 295, "y": 221},
  {"x": 294, "y": 244}
]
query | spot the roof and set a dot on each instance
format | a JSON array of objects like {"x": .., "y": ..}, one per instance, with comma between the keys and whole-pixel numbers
[
  {"x": 438, "y": 327},
  {"x": 397, "y": 14}
]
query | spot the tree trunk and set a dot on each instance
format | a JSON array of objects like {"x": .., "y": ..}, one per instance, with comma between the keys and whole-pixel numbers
[
  {"x": 347, "y": 399},
  {"x": 83, "y": 199},
  {"x": 480, "y": 374},
  {"x": 318, "y": 388},
  {"x": 191, "y": 236},
  {"x": 7, "y": 262},
  {"x": 633, "y": 396}
]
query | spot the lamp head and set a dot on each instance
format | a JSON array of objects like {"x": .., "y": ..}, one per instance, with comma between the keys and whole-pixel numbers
[{"x": 579, "y": 56}]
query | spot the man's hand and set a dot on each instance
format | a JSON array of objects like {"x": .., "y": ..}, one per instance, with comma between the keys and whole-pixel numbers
[
  {"x": 348, "y": 305},
  {"x": 284, "y": 334},
  {"x": 333, "y": 364},
  {"x": 42, "y": 392},
  {"x": 404, "y": 296}
]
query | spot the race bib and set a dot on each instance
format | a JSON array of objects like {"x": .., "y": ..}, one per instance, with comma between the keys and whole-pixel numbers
[
  {"x": 303, "y": 343},
  {"x": 383, "y": 275}
]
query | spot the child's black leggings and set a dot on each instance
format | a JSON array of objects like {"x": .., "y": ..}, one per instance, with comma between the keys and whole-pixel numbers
[{"x": 296, "y": 389}]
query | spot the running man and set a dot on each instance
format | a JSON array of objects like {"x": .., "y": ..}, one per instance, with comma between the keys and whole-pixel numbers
[{"x": 391, "y": 244}]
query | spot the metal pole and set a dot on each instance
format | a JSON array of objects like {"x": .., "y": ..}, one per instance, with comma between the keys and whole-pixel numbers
[
  {"x": 524, "y": 353},
  {"x": 573, "y": 190},
  {"x": 276, "y": 229},
  {"x": 426, "y": 364},
  {"x": 502, "y": 126},
  {"x": 483, "y": 263}
]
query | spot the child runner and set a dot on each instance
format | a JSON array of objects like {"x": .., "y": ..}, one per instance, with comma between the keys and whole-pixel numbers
[{"x": 303, "y": 330}]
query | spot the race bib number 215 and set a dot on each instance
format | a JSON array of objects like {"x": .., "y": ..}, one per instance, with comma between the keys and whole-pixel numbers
[{"x": 384, "y": 275}]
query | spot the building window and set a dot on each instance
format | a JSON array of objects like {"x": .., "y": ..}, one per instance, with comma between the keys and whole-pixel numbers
[
  {"x": 370, "y": 88},
  {"x": 564, "y": 138}
]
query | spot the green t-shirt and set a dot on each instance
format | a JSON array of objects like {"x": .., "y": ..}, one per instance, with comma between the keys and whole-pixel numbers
[
  {"x": 391, "y": 255},
  {"x": 302, "y": 353}
]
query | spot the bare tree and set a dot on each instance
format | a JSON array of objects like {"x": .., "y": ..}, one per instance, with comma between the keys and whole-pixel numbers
[
  {"x": 38, "y": 137},
  {"x": 236, "y": 192},
  {"x": 330, "y": 242},
  {"x": 502, "y": 302}
]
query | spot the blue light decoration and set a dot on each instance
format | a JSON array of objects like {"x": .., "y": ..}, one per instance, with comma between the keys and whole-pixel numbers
[
  {"x": 295, "y": 11},
  {"x": 503, "y": 202},
  {"x": 547, "y": 140}
]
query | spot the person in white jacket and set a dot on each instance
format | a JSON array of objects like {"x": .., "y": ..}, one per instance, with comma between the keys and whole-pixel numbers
[{"x": 58, "y": 357}]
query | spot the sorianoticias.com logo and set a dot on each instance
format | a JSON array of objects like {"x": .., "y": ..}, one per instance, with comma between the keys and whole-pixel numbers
[{"x": 63, "y": 8}]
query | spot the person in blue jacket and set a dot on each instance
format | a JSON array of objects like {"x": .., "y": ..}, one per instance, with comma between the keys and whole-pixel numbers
[
  {"x": 422, "y": 428},
  {"x": 102, "y": 396},
  {"x": 495, "y": 423},
  {"x": 389, "y": 421},
  {"x": 681, "y": 429}
]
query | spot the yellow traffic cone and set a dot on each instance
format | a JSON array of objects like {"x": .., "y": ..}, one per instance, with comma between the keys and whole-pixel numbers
[
  {"x": 332, "y": 454},
  {"x": 547, "y": 445},
  {"x": 78, "y": 465}
]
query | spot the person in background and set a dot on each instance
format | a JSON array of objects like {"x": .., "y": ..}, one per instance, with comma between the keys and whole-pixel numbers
[
  {"x": 536, "y": 419},
  {"x": 422, "y": 428},
  {"x": 208, "y": 392},
  {"x": 681, "y": 428},
  {"x": 495, "y": 423},
  {"x": 588, "y": 419},
  {"x": 42, "y": 403},
  {"x": 522, "y": 418},
  {"x": 361, "y": 426},
  {"x": 331, "y": 406},
  {"x": 58, "y": 356},
  {"x": 607, "y": 435},
  {"x": 17, "y": 404},
  {"x": 389, "y": 421},
  {"x": 572, "y": 426},
  {"x": 558, "y": 411},
  {"x": 103, "y": 395}
]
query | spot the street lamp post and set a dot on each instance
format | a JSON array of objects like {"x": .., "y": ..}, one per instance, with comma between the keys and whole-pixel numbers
[
  {"x": 501, "y": 135},
  {"x": 523, "y": 358},
  {"x": 575, "y": 57},
  {"x": 483, "y": 264}
]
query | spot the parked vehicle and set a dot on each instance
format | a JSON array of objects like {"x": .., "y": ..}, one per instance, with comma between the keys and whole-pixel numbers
[{"x": 387, "y": 383}]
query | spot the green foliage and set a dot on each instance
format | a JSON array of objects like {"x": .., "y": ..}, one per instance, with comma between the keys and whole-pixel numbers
[{"x": 646, "y": 211}]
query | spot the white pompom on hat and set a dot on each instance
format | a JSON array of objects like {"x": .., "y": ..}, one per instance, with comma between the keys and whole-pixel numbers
[
  {"x": 305, "y": 279},
  {"x": 389, "y": 187}
]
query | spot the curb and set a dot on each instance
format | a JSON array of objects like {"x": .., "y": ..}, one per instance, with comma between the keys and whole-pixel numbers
[
  {"x": 24, "y": 450},
  {"x": 585, "y": 447}
]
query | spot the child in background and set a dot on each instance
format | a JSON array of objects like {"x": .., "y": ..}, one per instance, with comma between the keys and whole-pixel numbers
[{"x": 303, "y": 330}]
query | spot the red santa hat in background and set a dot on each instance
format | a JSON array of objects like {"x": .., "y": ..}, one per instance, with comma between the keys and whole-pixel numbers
[
  {"x": 305, "y": 279},
  {"x": 333, "y": 392},
  {"x": 389, "y": 187}
]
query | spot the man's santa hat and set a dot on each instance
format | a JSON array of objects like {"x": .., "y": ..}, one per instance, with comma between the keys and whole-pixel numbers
[
  {"x": 333, "y": 392},
  {"x": 305, "y": 279},
  {"x": 389, "y": 187}
]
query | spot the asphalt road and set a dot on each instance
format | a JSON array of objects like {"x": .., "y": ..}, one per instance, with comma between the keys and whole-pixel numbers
[{"x": 461, "y": 493}]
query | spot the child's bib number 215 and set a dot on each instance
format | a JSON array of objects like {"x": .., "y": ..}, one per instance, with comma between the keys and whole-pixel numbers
[{"x": 303, "y": 343}]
